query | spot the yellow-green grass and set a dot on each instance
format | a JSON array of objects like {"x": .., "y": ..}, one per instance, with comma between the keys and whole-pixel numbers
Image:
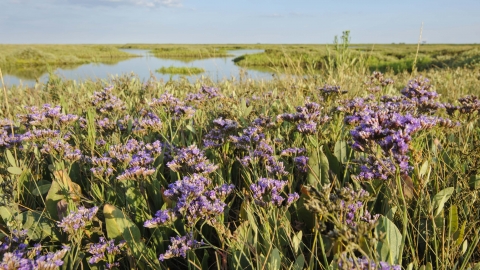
[
  {"x": 41, "y": 55},
  {"x": 180, "y": 70}
]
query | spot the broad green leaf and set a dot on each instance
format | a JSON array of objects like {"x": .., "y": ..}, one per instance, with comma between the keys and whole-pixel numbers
[
  {"x": 452, "y": 220},
  {"x": 275, "y": 260},
  {"x": 314, "y": 176},
  {"x": 37, "y": 225},
  {"x": 341, "y": 151},
  {"x": 441, "y": 198},
  {"x": 423, "y": 169},
  {"x": 299, "y": 262},
  {"x": 460, "y": 234},
  {"x": 296, "y": 241},
  {"x": 11, "y": 159},
  {"x": 62, "y": 188},
  {"x": 6, "y": 214},
  {"x": 391, "y": 242},
  {"x": 14, "y": 170},
  {"x": 324, "y": 167},
  {"x": 119, "y": 226},
  {"x": 41, "y": 188}
]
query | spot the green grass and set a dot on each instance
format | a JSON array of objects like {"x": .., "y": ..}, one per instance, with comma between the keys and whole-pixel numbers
[
  {"x": 41, "y": 55},
  {"x": 433, "y": 225},
  {"x": 180, "y": 70}
]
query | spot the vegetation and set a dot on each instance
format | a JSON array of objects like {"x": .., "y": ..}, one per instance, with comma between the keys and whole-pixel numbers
[
  {"x": 31, "y": 61},
  {"x": 179, "y": 51},
  {"x": 336, "y": 169},
  {"x": 180, "y": 70}
]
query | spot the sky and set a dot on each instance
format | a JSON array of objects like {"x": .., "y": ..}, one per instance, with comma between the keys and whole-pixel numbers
[{"x": 237, "y": 21}]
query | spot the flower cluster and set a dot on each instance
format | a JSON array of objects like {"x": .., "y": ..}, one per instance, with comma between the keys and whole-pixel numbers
[
  {"x": 307, "y": 117},
  {"x": 105, "y": 102},
  {"x": 47, "y": 116},
  {"x": 205, "y": 93},
  {"x": 267, "y": 192},
  {"x": 328, "y": 90},
  {"x": 135, "y": 156},
  {"x": 77, "y": 220},
  {"x": 195, "y": 199},
  {"x": 376, "y": 82},
  {"x": 384, "y": 125},
  {"x": 364, "y": 263},
  {"x": 149, "y": 121},
  {"x": 468, "y": 105},
  {"x": 222, "y": 129},
  {"x": 16, "y": 254},
  {"x": 259, "y": 151},
  {"x": 418, "y": 91},
  {"x": 60, "y": 148},
  {"x": 172, "y": 106},
  {"x": 105, "y": 251},
  {"x": 191, "y": 160},
  {"x": 179, "y": 246}
]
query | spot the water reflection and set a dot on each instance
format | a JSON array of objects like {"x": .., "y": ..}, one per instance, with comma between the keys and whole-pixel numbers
[{"x": 143, "y": 66}]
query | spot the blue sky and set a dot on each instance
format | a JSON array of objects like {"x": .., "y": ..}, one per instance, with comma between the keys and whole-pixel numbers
[{"x": 237, "y": 21}]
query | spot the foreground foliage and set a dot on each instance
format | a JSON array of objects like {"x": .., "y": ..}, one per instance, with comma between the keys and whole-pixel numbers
[{"x": 289, "y": 174}]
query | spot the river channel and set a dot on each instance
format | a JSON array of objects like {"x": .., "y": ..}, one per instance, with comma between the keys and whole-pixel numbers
[{"x": 144, "y": 67}]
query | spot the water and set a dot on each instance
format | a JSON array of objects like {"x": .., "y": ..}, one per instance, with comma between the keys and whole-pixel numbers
[{"x": 144, "y": 66}]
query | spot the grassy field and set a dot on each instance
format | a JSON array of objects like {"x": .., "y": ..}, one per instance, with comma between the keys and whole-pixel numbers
[
  {"x": 180, "y": 70},
  {"x": 338, "y": 168}
]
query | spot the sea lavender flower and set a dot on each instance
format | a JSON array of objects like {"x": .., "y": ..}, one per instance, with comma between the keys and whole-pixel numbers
[
  {"x": 162, "y": 217},
  {"x": 249, "y": 138},
  {"x": 135, "y": 173},
  {"x": 363, "y": 263},
  {"x": 195, "y": 199},
  {"x": 268, "y": 192},
  {"x": 377, "y": 81},
  {"x": 102, "y": 250},
  {"x": 77, "y": 220},
  {"x": 172, "y": 106},
  {"x": 191, "y": 160},
  {"x": 301, "y": 164},
  {"x": 222, "y": 128},
  {"x": 179, "y": 246},
  {"x": 307, "y": 117},
  {"x": 328, "y": 90},
  {"x": 105, "y": 102},
  {"x": 293, "y": 151}
]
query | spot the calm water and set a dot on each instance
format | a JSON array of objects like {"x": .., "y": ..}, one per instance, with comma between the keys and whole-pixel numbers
[{"x": 215, "y": 68}]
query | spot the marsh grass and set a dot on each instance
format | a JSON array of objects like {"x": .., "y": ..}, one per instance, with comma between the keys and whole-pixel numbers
[
  {"x": 180, "y": 70},
  {"x": 436, "y": 228}
]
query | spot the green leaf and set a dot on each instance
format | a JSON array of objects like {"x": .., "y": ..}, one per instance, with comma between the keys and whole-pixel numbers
[
  {"x": 474, "y": 182},
  {"x": 6, "y": 214},
  {"x": 296, "y": 241},
  {"x": 120, "y": 227},
  {"x": 41, "y": 188},
  {"x": 314, "y": 177},
  {"x": 275, "y": 260},
  {"x": 299, "y": 262},
  {"x": 324, "y": 167},
  {"x": 423, "y": 169},
  {"x": 452, "y": 220},
  {"x": 11, "y": 159},
  {"x": 37, "y": 225},
  {"x": 389, "y": 247},
  {"x": 14, "y": 170},
  {"x": 441, "y": 198},
  {"x": 341, "y": 151}
]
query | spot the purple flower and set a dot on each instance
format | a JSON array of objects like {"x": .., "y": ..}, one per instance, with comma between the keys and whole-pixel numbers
[
  {"x": 77, "y": 220},
  {"x": 179, "y": 247}
]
